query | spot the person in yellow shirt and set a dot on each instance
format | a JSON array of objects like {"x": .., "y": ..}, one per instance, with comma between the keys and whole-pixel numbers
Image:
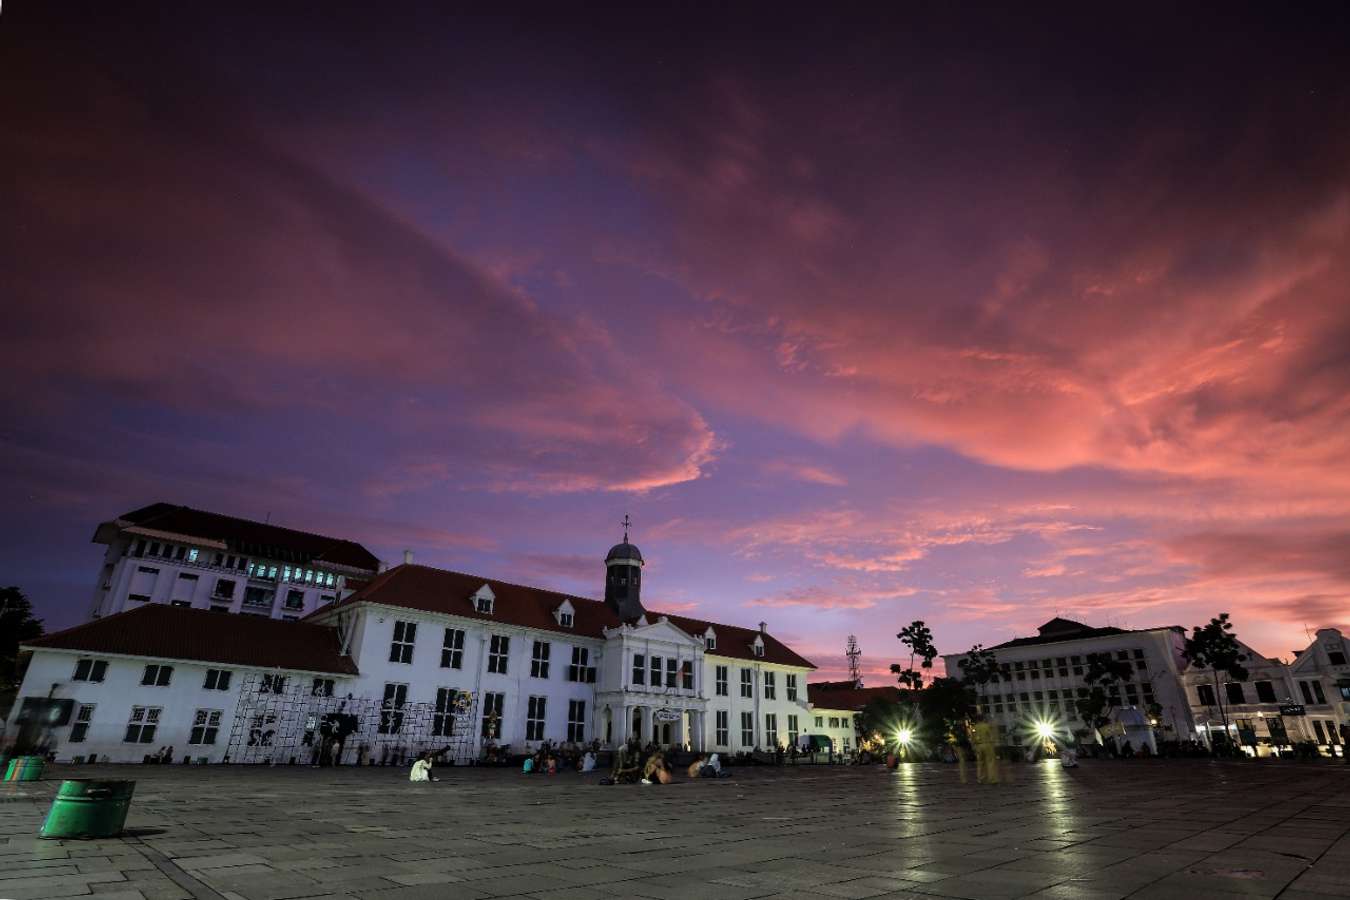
[{"x": 982, "y": 738}]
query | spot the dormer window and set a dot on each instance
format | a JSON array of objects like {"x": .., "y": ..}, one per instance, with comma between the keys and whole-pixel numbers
[
  {"x": 484, "y": 604},
  {"x": 710, "y": 639},
  {"x": 759, "y": 647},
  {"x": 565, "y": 614},
  {"x": 484, "y": 600}
]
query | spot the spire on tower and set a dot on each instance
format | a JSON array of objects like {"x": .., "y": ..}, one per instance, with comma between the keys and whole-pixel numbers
[{"x": 626, "y": 523}]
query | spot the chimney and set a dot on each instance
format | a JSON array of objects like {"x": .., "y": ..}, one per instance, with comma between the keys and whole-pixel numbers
[
  {"x": 407, "y": 557},
  {"x": 763, "y": 629}
]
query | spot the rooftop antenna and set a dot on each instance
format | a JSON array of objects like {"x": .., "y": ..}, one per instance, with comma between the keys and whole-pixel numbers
[
  {"x": 854, "y": 654},
  {"x": 626, "y": 522}
]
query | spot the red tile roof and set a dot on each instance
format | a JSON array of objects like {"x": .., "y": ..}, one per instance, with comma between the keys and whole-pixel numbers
[
  {"x": 252, "y": 538},
  {"x": 174, "y": 632},
  {"x": 839, "y": 695},
  {"x": 439, "y": 591}
]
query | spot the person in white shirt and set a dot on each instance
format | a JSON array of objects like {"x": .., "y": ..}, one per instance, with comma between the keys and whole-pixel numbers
[{"x": 421, "y": 770}]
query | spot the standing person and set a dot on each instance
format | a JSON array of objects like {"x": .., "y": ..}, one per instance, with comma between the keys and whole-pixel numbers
[
  {"x": 986, "y": 753},
  {"x": 959, "y": 740}
]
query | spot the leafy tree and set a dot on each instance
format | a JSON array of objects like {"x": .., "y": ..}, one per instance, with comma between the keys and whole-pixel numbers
[
  {"x": 1103, "y": 672},
  {"x": 17, "y": 625},
  {"x": 979, "y": 668},
  {"x": 919, "y": 638},
  {"x": 1215, "y": 647},
  {"x": 878, "y": 723},
  {"x": 943, "y": 706}
]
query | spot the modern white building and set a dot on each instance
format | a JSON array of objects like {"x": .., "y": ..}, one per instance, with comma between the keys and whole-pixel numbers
[
  {"x": 417, "y": 658},
  {"x": 190, "y": 558},
  {"x": 1042, "y": 677}
]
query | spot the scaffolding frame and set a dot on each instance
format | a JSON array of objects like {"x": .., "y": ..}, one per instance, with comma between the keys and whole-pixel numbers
[{"x": 280, "y": 719}]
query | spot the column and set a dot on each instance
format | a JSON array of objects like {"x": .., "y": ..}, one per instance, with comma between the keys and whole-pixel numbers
[{"x": 648, "y": 734}]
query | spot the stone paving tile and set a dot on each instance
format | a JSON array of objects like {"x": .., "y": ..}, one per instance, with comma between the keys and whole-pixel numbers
[{"x": 1103, "y": 832}]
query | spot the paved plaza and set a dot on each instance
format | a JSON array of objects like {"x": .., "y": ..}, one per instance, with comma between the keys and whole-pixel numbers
[{"x": 1191, "y": 829}]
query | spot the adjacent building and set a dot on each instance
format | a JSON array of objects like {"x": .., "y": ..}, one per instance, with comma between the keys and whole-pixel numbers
[
  {"x": 1042, "y": 677},
  {"x": 836, "y": 706},
  {"x": 189, "y": 558}
]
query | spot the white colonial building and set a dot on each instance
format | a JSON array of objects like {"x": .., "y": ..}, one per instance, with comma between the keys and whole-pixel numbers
[
  {"x": 417, "y": 658},
  {"x": 189, "y": 558}
]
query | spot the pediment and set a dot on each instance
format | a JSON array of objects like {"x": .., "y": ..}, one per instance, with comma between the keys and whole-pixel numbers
[{"x": 661, "y": 630}]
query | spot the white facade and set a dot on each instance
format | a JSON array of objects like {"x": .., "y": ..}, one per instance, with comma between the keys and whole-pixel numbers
[
  {"x": 837, "y": 725},
  {"x": 702, "y": 700},
  {"x": 1042, "y": 679},
  {"x": 126, "y": 708},
  {"x": 1279, "y": 705}
]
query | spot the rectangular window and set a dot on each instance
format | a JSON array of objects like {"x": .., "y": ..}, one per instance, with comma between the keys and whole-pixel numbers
[
  {"x": 791, "y": 687},
  {"x": 820, "y": 721},
  {"x": 205, "y": 726},
  {"x": 452, "y": 649},
  {"x": 710, "y": 642},
  {"x": 723, "y": 736},
  {"x": 272, "y": 684},
  {"x": 401, "y": 648},
  {"x": 565, "y": 619},
  {"x": 321, "y": 687},
  {"x": 141, "y": 727},
  {"x": 770, "y": 686},
  {"x": 539, "y": 660},
  {"x": 687, "y": 675},
  {"x": 1318, "y": 692},
  {"x": 534, "y": 718},
  {"x": 656, "y": 672},
  {"x": 834, "y": 721},
  {"x": 747, "y": 683},
  {"x": 1235, "y": 692},
  {"x": 91, "y": 670},
  {"x": 493, "y": 704},
  {"x": 576, "y": 721},
  {"x": 391, "y": 709},
  {"x": 296, "y": 600},
  {"x": 639, "y": 669},
  {"x": 580, "y": 669},
  {"x": 1336, "y": 657},
  {"x": 157, "y": 676},
  {"x": 443, "y": 719},
  {"x": 1205, "y": 694},
  {"x": 792, "y": 731},
  {"x": 1306, "y": 691},
  {"x": 217, "y": 680},
  {"x": 771, "y": 729},
  {"x": 672, "y": 671},
  {"x": 224, "y": 589},
  {"x": 721, "y": 681},
  {"x": 747, "y": 729},
  {"x": 499, "y": 651},
  {"x": 80, "y": 729},
  {"x": 1265, "y": 692}
]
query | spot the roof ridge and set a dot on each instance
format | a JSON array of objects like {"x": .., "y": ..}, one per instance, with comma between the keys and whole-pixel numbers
[{"x": 174, "y": 507}]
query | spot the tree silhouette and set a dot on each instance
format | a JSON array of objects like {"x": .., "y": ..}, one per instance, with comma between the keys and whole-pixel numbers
[
  {"x": 919, "y": 638},
  {"x": 17, "y": 625},
  {"x": 979, "y": 668},
  {"x": 1215, "y": 647}
]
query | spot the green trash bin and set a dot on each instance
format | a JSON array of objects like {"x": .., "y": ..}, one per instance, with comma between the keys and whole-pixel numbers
[
  {"x": 24, "y": 768},
  {"x": 88, "y": 808}
]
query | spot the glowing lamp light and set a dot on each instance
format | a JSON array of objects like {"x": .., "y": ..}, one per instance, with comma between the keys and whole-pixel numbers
[
  {"x": 1045, "y": 730},
  {"x": 904, "y": 735}
]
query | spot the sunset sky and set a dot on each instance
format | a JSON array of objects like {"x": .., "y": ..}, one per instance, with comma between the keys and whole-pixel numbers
[{"x": 976, "y": 320}]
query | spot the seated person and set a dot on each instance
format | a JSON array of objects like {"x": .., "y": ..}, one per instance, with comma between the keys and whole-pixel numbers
[
  {"x": 656, "y": 771},
  {"x": 587, "y": 763},
  {"x": 528, "y": 766},
  {"x": 696, "y": 767},
  {"x": 625, "y": 770},
  {"x": 421, "y": 769}
]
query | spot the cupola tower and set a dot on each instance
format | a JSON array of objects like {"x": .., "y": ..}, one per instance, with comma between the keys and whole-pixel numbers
[{"x": 623, "y": 578}]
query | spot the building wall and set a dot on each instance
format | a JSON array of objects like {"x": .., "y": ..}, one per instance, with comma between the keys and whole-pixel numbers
[
  {"x": 191, "y": 574},
  {"x": 51, "y": 674},
  {"x": 837, "y": 725},
  {"x": 1155, "y": 654}
]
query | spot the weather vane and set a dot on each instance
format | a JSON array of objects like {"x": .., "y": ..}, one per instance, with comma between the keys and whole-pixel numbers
[{"x": 626, "y": 523}]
